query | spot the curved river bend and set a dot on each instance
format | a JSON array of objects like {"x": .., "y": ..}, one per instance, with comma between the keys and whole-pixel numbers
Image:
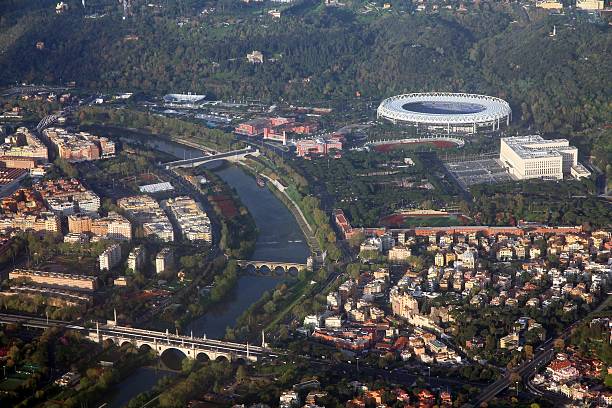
[{"x": 280, "y": 239}]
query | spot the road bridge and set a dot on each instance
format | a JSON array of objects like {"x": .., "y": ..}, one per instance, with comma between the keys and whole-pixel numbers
[
  {"x": 234, "y": 155},
  {"x": 273, "y": 266},
  {"x": 192, "y": 347}
]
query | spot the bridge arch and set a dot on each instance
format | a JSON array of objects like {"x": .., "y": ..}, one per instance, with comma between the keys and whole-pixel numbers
[
  {"x": 292, "y": 270},
  {"x": 145, "y": 348},
  {"x": 125, "y": 343},
  {"x": 108, "y": 342},
  {"x": 280, "y": 270},
  {"x": 222, "y": 359},
  {"x": 202, "y": 356},
  {"x": 172, "y": 357}
]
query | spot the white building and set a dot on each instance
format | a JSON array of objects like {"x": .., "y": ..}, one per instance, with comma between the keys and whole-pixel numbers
[
  {"x": 333, "y": 322},
  {"x": 110, "y": 257},
  {"x": 163, "y": 260},
  {"x": 192, "y": 220},
  {"x": 136, "y": 258},
  {"x": 590, "y": 4},
  {"x": 334, "y": 301},
  {"x": 371, "y": 244},
  {"x": 289, "y": 399},
  {"x": 399, "y": 253},
  {"x": 527, "y": 157},
  {"x": 313, "y": 321}
]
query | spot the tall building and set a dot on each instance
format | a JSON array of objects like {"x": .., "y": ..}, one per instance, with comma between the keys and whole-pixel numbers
[
  {"x": 164, "y": 260},
  {"x": 110, "y": 258},
  {"x": 136, "y": 258},
  {"x": 528, "y": 157}
]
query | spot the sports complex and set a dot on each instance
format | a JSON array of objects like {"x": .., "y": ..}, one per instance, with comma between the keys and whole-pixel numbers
[{"x": 450, "y": 113}]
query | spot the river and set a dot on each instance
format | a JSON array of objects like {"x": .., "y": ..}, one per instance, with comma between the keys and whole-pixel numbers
[
  {"x": 280, "y": 239},
  {"x": 143, "y": 379}
]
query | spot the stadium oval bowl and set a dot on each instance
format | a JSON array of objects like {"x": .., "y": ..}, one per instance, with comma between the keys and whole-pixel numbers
[{"x": 441, "y": 112}]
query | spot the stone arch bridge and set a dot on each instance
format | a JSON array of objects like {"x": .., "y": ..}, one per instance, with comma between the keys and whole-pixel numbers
[
  {"x": 273, "y": 266},
  {"x": 191, "y": 347}
]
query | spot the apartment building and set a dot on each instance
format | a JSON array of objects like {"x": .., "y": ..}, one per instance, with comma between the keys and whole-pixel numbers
[
  {"x": 136, "y": 258},
  {"x": 80, "y": 146},
  {"x": 24, "y": 144},
  {"x": 110, "y": 258},
  {"x": 192, "y": 220},
  {"x": 164, "y": 260},
  {"x": 145, "y": 211}
]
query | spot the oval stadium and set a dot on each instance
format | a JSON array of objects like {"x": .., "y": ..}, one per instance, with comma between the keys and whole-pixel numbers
[{"x": 451, "y": 113}]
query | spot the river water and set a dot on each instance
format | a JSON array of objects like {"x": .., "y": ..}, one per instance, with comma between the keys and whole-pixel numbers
[
  {"x": 280, "y": 239},
  {"x": 143, "y": 379}
]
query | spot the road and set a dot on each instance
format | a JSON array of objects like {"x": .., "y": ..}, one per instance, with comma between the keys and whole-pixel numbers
[{"x": 544, "y": 355}]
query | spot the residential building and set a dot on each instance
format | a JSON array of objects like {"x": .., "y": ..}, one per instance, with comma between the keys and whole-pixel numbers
[
  {"x": 44, "y": 221},
  {"x": 403, "y": 304},
  {"x": 255, "y": 57},
  {"x": 590, "y": 4},
  {"x": 110, "y": 258},
  {"x": 509, "y": 342},
  {"x": 23, "y": 144},
  {"x": 81, "y": 146},
  {"x": 399, "y": 254},
  {"x": 136, "y": 258},
  {"x": 164, "y": 260},
  {"x": 192, "y": 220},
  {"x": 145, "y": 211}
]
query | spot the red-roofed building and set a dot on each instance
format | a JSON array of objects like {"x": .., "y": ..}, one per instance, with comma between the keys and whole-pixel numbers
[{"x": 562, "y": 371}]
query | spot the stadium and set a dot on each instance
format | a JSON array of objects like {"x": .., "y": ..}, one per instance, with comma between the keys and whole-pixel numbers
[{"x": 450, "y": 113}]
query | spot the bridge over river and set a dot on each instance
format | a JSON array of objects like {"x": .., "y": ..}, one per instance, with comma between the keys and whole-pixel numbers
[
  {"x": 274, "y": 266},
  {"x": 192, "y": 347},
  {"x": 234, "y": 155}
]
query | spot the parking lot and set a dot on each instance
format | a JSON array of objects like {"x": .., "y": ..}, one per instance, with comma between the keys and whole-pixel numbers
[{"x": 473, "y": 172}]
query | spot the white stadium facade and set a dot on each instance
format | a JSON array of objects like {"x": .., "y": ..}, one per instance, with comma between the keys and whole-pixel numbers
[{"x": 451, "y": 113}]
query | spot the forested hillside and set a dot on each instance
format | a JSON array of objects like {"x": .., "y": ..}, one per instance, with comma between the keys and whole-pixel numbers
[{"x": 315, "y": 53}]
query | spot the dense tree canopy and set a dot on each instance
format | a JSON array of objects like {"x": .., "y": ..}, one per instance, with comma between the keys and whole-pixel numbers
[{"x": 318, "y": 53}]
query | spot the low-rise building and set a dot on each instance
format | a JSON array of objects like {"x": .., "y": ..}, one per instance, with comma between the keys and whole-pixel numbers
[
  {"x": 399, "y": 254},
  {"x": 52, "y": 279}
]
